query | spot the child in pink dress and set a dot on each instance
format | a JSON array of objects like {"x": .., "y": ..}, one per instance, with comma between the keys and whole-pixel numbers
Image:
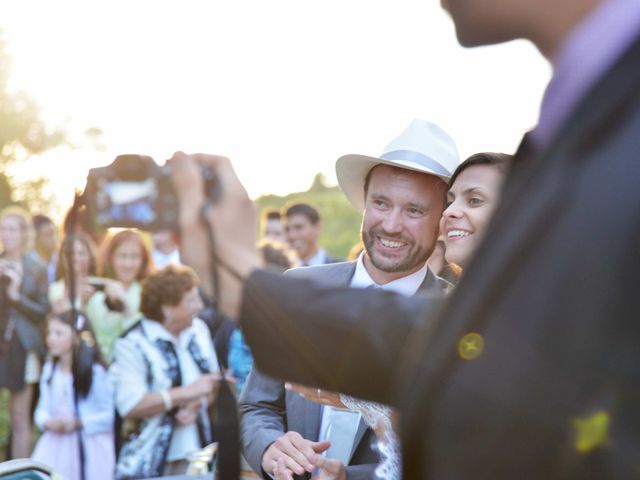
[{"x": 75, "y": 411}]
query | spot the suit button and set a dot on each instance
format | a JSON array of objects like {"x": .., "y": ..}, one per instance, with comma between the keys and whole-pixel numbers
[{"x": 470, "y": 346}]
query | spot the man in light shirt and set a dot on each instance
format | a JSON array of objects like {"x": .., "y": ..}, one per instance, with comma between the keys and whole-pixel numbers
[
  {"x": 302, "y": 228},
  {"x": 402, "y": 194}
]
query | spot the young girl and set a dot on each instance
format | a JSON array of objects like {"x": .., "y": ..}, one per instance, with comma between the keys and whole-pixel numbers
[{"x": 75, "y": 411}]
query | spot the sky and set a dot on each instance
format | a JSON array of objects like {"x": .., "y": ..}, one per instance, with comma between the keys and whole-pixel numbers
[{"x": 282, "y": 87}]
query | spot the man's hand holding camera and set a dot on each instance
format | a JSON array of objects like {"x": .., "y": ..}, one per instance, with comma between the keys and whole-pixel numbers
[{"x": 233, "y": 220}]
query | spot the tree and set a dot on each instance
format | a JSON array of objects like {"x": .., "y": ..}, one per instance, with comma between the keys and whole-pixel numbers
[
  {"x": 22, "y": 133},
  {"x": 319, "y": 183}
]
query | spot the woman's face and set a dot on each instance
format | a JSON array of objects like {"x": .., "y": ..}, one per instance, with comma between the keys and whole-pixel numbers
[
  {"x": 471, "y": 202},
  {"x": 11, "y": 234},
  {"x": 178, "y": 317},
  {"x": 127, "y": 261},
  {"x": 59, "y": 337}
]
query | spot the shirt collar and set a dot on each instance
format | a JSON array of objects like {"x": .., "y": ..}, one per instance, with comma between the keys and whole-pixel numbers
[
  {"x": 156, "y": 331},
  {"x": 588, "y": 51},
  {"x": 319, "y": 258},
  {"x": 406, "y": 286}
]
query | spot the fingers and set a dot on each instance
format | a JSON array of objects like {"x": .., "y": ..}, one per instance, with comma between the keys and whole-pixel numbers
[
  {"x": 319, "y": 447},
  {"x": 293, "y": 449},
  {"x": 300, "y": 450},
  {"x": 281, "y": 472},
  {"x": 330, "y": 467}
]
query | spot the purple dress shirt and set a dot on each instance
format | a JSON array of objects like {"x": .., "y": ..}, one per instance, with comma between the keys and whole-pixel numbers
[{"x": 587, "y": 53}]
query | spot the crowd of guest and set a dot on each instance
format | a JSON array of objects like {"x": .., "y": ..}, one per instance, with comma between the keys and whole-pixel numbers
[{"x": 119, "y": 354}]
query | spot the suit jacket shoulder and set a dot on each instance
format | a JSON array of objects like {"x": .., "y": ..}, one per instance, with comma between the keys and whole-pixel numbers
[{"x": 330, "y": 274}]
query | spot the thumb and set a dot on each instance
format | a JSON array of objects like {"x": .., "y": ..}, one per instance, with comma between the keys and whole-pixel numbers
[{"x": 320, "y": 447}]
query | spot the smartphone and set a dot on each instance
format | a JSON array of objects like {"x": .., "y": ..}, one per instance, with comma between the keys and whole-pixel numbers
[{"x": 98, "y": 283}]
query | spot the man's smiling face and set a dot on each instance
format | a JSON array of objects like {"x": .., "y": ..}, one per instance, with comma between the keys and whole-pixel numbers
[{"x": 400, "y": 221}]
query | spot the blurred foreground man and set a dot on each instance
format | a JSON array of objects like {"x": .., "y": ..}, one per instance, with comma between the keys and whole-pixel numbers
[{"x": 535, "y": 374}]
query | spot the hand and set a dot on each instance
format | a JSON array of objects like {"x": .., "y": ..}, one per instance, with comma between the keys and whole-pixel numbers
[
  {"x": 188, "y": 413},
  {"x": 281, "y": 472},
  {"x": 317, "y": 395},
  {"x": 116, "y": 293},
  {"x": 233, "y": 218},
  {"x": 55, "y": 425},
  {"x": 206, "y": 384},
  {"x": 295, "y": 451},
  {"x": 70, "y": 424},
  {"x": 13, "y": 271},
  {"x": 329, "y": 469}
]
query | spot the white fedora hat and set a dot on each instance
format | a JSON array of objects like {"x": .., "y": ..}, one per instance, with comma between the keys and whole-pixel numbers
[{"x": 422, "y": 147}]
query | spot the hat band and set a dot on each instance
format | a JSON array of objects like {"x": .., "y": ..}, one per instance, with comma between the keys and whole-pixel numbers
[{"x": 416, "y": 157}]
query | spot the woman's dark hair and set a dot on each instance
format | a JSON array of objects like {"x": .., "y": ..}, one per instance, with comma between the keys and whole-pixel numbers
[
  {"x": 67, "y": 245},
  {"x": 166, "y": 287},
  {"x": 85, "y": 351},
  {"x": 501, "y": 161},
  {"x": 109, "y": 248}
]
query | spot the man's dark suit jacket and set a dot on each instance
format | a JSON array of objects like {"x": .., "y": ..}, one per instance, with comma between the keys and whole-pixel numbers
[
  {"x": 268, "y": 410},
  {"x": 553, "y": 292}
]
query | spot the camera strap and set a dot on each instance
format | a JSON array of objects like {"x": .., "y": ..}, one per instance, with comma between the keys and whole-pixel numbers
[
  {"x": 68, "y": 256},
  {"x": 226, "y": 426}
]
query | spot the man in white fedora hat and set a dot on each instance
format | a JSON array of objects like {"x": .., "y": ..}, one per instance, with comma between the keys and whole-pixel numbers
[{"x": 402, "y": 195}]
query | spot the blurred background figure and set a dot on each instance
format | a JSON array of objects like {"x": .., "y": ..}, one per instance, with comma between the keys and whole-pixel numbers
[
  {"x": 302, "y": 227},
  {"x": 23, "y": 307},
  {"x": 165, "y": 372},
  {"x": 166, "y": 248},
  {"x": 124, "y": 262},
  {"x": 272, "y": 227},
  {"x": 76, "y": 403},
  {"x": 46, "y": 243},
  {"x": 82, "y": 248}
]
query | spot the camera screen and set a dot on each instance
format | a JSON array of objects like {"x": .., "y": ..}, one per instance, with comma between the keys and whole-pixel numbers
[{"x": 119, "y": 202}]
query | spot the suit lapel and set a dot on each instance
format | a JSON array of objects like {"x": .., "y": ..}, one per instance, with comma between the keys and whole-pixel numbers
[
  {"x": 312, "y": 414},
  {"x": 362, "y": 429}
]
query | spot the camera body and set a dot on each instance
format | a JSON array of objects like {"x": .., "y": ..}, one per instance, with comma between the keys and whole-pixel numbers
[{"x": 132, "y": 192}]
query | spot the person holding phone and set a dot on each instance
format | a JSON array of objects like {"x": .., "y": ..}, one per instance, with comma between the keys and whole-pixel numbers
[
  {"x": 23, "y": 308},
  {"x": 125, "y": 262}
]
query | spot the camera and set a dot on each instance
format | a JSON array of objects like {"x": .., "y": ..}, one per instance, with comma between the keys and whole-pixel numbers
[
  {"x": 135, "y": 192},
  {"x": 132, "y": 192}
]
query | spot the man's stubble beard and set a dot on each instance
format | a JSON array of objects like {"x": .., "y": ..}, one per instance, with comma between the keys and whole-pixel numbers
[{"x": 414, "y": 260}]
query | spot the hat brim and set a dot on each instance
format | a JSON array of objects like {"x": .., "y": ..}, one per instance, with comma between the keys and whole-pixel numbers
[{"x": 352, "y": 170}]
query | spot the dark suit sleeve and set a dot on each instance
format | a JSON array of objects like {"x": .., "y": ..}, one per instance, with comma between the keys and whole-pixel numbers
[
  {"x": 262, "y": 416},
  {"x": 335, "y": 338},
  {"x": 361, "y": 472}
]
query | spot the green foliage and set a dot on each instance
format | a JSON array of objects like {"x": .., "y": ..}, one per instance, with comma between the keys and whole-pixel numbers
[
  {"x": 22, "y": 133},
  {"x": 340, "y": 220}
]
